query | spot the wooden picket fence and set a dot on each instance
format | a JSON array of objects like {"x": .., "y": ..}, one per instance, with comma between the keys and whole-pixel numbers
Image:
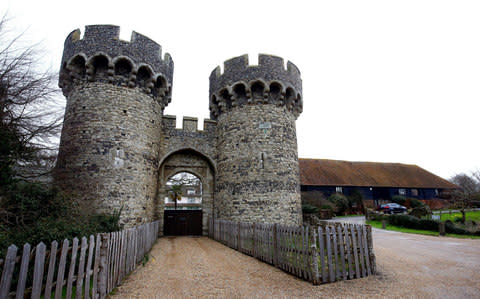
[
  {"x": 86, "y": 268},
  {"x": 327, "y": 253}
]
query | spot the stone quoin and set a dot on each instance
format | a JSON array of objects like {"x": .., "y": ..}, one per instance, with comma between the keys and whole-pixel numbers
[{"x": 118, "y": 149}]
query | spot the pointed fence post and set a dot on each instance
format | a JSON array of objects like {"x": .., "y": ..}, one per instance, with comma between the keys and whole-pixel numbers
[
  {"x": 239, "y": 239},
  {"x": 7, "y": 273},
  {"x": 370, "y": 250},
  {"x": 316, "y": 275},
  {"x": 253, "y": 238},
  {"x": 103, "y": 267},
  {"x": 275, "y": 246},
  {"x": 22, "y": 276},
  {"x": 38, "y": 270}
]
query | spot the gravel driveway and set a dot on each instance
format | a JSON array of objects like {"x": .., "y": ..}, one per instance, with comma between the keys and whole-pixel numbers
[{"x": 411, "y": 266}]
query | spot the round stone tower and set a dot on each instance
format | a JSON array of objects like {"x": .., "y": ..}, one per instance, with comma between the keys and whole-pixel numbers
[
  {"x": 116, "y": 92},
  {"x": 256, "y": 108}
]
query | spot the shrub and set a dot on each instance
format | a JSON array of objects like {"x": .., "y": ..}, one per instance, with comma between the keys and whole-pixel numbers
[
  {"x": 376, "y": 216},
  {"x": 453, "y": 229},
  {"x": 420, "y": 212},
  {"x": 415, "y": 203},
  {"x": 309, "y": 209},
  {"x": 316, "y": 199},
  {"x": 400, "y": 199},
  {"x": 428, "y": 224},
  {"x": 341, "y": 203},
  {"x": 404, "y": 221},
  {"x": 409, "y": 221},
  {"x": 356, "y": 201},
  {"x": 33, "y": 213}
]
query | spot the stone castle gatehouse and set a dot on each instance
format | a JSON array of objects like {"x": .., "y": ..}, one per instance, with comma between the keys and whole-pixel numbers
[{"x": 118, "y": 149}]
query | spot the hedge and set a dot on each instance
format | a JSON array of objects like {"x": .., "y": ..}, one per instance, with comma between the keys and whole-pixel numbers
[{"x": 409, "y": 221}]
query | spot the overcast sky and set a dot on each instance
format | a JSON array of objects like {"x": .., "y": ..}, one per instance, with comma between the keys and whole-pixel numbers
[{"x": 385, "y": 81}]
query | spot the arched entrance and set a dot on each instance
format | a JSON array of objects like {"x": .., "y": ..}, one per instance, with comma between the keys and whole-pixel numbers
[
  {"x": 183, "y": 205},
  {"x": 195, "y": 173}
]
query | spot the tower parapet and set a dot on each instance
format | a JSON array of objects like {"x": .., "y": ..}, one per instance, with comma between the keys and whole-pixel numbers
[
  {"x": 269, "y": 82},
  {"x": 101, "y": 56}
]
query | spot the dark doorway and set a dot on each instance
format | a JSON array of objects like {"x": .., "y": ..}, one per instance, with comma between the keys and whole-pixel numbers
[{"x": 182, "y": 223}]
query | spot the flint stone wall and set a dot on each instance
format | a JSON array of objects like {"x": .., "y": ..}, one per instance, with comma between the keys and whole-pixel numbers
[
  {"x": 103, "y": 160},
  {"x": 258, "y": 174},
  {"x": 188, "y": 137}
]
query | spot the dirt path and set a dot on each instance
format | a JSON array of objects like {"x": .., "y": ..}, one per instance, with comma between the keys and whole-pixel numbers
[{"x": 409, "y": 265}]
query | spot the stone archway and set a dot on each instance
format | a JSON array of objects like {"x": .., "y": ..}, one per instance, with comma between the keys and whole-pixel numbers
[{"x": 190, "y": 161}]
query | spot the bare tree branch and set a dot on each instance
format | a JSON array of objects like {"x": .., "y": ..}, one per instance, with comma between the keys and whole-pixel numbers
[{"x": 30, "y": 118}]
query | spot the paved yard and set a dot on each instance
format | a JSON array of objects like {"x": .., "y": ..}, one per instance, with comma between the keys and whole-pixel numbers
[{"x": 411, "y": 266}]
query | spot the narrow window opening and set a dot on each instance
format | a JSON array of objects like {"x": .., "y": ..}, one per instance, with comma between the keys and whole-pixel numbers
[
  {"x": 262, "y": 161},
  {"x": 143, "y": 76},
  {"x": 78, "y": 67},
  {"x": 123, "y": 68},
  {"x": 100, "y": 65},
  {"x": 257, "y": 90}
]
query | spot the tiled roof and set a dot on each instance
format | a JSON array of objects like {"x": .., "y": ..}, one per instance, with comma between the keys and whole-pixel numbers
[{"x": 322, "y": 172}]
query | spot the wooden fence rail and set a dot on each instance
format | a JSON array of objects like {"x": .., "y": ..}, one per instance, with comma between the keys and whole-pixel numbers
[
  {"x": 81, "y": 268},
  {"x": 328, "y": 253}
]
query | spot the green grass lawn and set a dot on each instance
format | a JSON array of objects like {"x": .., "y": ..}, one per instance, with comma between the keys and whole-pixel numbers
[
  {"x": 378, "y": 224},
  {"x": 472, "y": 215}
]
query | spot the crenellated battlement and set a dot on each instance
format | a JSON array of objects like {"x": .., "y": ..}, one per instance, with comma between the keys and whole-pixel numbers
[
  {"x": 106, "y": 38},
  {"x": 189, "y": 124},
  {"x": 102, "y": 56},
  {"x": 189, "y": 136},
  {"x": 269, "y": 82}
]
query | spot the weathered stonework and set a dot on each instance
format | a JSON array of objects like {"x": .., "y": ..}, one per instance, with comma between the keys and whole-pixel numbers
[
  {"x": 117, "y": 149},
  {"x": 256, "y": 107},
  {"x": 113, "y": 93},
  {"x": 258, "y": 176},
  {"x": 102, "y": 159}
]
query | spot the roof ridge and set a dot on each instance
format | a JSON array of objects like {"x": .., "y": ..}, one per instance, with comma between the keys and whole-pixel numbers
[{"x": 349, "y": 161}]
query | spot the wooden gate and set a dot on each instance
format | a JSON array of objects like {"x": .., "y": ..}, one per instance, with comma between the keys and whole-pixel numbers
[{"x": 182, "y": 223}]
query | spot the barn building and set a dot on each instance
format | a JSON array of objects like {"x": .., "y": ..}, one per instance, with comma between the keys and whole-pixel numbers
[{"x": 377, "y": 182}]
